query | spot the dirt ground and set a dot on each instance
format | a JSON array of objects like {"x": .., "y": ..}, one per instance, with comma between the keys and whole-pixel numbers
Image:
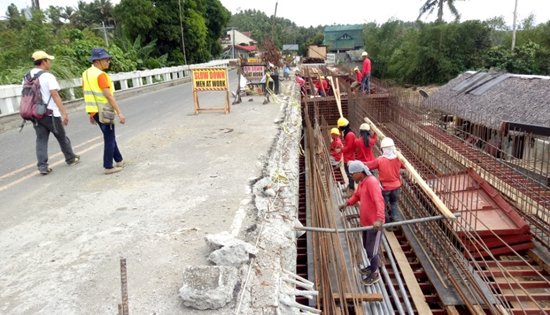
[{"x": 62, "y": 235}]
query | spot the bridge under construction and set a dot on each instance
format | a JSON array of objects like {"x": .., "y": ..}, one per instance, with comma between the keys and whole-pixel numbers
[{"x": 476, "y": 238}]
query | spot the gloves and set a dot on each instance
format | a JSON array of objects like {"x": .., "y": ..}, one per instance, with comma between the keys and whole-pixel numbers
[
  {"x": 377, "y": 225},
  {"x": 342, "y": 207}
]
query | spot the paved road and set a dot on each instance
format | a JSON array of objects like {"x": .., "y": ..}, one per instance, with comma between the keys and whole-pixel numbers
[{"x": 61, "y": 235}]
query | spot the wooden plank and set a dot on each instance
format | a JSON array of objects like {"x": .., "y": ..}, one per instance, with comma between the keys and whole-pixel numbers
[
  {"x": 408, "y": 274},
  {"x": 362, "y": 297},
  {"x": 451, "y": 310},
  {"x": 479, "y": 310},
  {"x": 441, "y": 207}
]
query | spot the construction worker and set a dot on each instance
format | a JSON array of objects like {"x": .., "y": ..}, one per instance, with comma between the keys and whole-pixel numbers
[
  {"x": 389, "y": 168},
  {"x": 365, "y": 82},
  {"x": 348, "y": 150},
  {"x": 322, "y": 86},
  {"x": 364, "y": 143},
  {"x": 371, "y": 213},
  {"x": 358, "y": 78},
  {"x": 335, "y": 147}
]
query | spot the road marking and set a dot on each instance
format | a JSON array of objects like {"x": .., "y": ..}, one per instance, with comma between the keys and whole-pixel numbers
[
  {"x": 17, "y": 181},
  {"x": 26, "y": 167}
]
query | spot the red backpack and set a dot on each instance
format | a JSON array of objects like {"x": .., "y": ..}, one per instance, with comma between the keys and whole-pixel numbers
[{"x": 32, "y": 106}]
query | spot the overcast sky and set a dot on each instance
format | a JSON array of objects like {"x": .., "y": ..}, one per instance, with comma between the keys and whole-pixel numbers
[{"x": 320, "y": 12}]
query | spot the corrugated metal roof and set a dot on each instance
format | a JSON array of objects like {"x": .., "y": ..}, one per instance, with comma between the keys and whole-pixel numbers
[{"x": 340, "y": 28}]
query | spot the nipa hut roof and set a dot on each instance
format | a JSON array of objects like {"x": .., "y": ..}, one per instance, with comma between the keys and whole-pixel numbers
[{"x": 488, "y": 99}]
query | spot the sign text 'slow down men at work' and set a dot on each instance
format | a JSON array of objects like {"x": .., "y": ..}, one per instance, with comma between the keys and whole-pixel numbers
[{"x": 210, "y": 79}]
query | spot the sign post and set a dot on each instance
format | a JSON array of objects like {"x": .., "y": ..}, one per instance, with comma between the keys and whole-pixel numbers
[{"x": 210, "y": 79}]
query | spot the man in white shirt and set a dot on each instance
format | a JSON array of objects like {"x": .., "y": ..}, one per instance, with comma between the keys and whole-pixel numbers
[{"x": 54, "y": 122}]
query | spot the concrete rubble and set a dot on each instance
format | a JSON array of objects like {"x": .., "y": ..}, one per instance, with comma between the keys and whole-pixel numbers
[
  {"x": 264, "y": 290},
  {"x": 208, "y": 287}
]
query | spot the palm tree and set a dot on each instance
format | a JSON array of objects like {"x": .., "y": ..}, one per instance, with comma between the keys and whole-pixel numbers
[{"x": 429, "y": 6}]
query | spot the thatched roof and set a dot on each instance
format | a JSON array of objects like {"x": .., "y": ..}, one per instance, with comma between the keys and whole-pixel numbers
[{"x": 489, "y": 98}]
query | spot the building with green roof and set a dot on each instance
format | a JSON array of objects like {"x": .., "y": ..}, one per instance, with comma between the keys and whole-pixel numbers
[{"x": 340, "y": 38}]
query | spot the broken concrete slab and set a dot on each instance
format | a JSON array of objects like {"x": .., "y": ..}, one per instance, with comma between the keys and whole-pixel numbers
[
  {"x": 233, "y": 255},
  {"x": 217, "y": 241},
  {"x": 208, "y": 287}
]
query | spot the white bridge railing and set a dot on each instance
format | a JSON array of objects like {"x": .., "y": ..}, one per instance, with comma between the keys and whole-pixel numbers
[{"x": 10, "y": 95}]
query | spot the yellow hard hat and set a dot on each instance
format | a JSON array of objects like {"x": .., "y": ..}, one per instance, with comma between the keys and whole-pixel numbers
[
  {"x": 334, "y": 131},
  {"x": 342, "y": 122}
]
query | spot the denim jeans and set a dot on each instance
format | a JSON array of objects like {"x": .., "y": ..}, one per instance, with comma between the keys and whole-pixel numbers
[
  {"x": 371, "y": 242},
  {"x": 392, "y": 206},
  {"x": 365, "y": 84},
  {"x": 351, "y": 183},
  {"x": 110, "y": 149},
  {"x": 43, "y": 127}
]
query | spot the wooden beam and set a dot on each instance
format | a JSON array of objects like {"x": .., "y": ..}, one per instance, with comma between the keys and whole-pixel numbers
[
  {"x": 363, "y": 297},
  {"x": 406, "y": 271},
  {"x": 443, "y": 209},
  {"x": 451, "y": 310}
]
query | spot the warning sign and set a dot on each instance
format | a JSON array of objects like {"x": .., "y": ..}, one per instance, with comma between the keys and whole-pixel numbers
[
  {"x": 210, "y": 79},
  {"x": 253, "y": 73}
]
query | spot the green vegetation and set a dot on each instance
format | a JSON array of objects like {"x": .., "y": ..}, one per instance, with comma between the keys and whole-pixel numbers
[
  {"x": 425, "y": 53},
  {"x": 141, "y": 34}
]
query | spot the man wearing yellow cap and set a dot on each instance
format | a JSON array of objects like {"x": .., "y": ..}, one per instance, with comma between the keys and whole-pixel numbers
[{"x": 56, "y": 118}]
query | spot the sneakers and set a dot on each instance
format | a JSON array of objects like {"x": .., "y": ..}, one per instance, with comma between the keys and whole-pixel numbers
[
  {"x": 371, "y": 279},
  {"x": 75, "y": 161},
  {"x": 46, "y": 171},
  {"x": 365, "y": 272},
  {"x": 113, "y": 170},
  {"x": 120, "y": 164}
]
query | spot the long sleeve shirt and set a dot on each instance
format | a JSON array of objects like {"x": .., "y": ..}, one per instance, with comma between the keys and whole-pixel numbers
[
  {"x": 369, "y": 195},
  {"x": 358, "y": 76},
  {"x": 349, "y": 147},
  {"x": 365, "y": 154},
  {"x": 336, "y": 148},
  {"x": 388, "y": 171},
  {"x": 366, "y": 67}
]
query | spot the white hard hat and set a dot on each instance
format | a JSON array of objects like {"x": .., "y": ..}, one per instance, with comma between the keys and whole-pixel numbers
[
  {"x": 364, "y": 126},
  {"x": 364, "y": 54},
  {"x": 387, "y": 142}
]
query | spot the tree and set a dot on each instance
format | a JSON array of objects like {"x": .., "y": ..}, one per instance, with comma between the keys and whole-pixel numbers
[{"x": 429, "y": 6}]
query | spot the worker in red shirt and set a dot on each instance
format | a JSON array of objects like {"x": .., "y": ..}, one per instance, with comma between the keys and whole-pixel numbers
[
  {"x": 358, "y": 78},
  {"x": 371, "y": 213},
  {"x": 389, "y": 170},
  {"x": 348, "y": 150},
  {"x": 364, "y": 143},
  {"x": 365, "y": 83},
  {"x": 335, "y": 147},
  {"x": 321, "y": 85}
]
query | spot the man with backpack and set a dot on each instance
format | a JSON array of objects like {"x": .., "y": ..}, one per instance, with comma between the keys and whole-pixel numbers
[{"x": 54, "y": 116}]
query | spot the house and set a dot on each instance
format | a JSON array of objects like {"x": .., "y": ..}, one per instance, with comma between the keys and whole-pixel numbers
[
  {"x": 506, "y": 115},
  {"x": 239, "y": 44},
  {"x": 341, "y": 38}
]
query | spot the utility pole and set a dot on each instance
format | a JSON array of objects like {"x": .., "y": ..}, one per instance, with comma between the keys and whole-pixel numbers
[
  {"x": 104, "y": 29},
  {"x": 182, "y": 39},
  {"x": 514, "y": 26},
  {"x": 273, "y": 23},
  {"x": 36, "y": 4},
  {"x": 233, "y": 39}
]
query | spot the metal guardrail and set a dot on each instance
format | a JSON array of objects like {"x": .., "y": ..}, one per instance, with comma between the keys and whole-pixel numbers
[{"x": 10, "y": 95}]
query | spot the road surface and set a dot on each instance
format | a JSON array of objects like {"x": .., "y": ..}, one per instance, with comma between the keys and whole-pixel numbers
[{"x": 62, "y": 235}]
